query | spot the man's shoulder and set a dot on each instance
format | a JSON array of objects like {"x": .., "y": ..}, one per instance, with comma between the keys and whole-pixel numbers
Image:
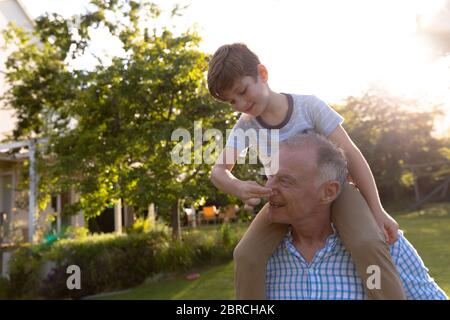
[{"x": 401, "y": 247}]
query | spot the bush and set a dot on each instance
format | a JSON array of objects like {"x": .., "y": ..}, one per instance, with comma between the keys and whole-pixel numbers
[
  {"x": 112, "y": 262},
  {"x": 25, "y": 268},
  {"x": 4, "y": 288},
  {"x": 107, "y": 262},
  {"x": 141, "y": 225}
]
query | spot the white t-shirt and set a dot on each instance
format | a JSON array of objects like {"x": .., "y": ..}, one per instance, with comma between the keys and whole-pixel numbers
[{"x": 305, "y": 112}]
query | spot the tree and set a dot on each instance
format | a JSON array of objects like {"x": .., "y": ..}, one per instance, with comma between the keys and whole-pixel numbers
[
  {"x": 110, "y": 128},
  {"x": 390, "y": 135}
]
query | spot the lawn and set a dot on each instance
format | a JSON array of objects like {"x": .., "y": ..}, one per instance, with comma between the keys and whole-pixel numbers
[{"x": 428, "y": 230}]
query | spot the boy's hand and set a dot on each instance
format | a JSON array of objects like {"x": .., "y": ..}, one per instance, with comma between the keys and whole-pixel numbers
[
  {"x": 250, "y": 192},
  {"x": 388, "y": 225}
]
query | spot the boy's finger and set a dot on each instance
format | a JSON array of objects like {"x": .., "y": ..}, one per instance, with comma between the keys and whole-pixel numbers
[
  {"x": 260, "y": 190},
  {"x": 260, "y": 195},
  {"x": 253, "y": 202},
  {"x": 386, "y": 235},
  {"x": 393, "y": 235}
]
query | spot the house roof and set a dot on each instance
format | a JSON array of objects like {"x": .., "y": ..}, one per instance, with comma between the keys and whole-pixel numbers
[
  {"x": 5, "y": 157},
  {"x": 25, "y": 11}
]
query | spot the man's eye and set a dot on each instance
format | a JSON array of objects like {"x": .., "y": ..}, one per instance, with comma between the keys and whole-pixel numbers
[{"x": 242, "y": 92}]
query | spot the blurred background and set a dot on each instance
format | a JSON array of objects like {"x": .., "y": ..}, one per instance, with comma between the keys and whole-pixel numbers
[{"x": 91, "y": 92}]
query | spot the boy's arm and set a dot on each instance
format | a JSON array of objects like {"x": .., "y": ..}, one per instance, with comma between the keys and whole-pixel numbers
[
  {"x": 221, "y": 175},
  {"x": 363, "y": 177},
  {"x": 248, "y": 191}
]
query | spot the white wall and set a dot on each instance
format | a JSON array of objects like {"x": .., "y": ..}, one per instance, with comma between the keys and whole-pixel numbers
[{"x": 10, "y": 10}]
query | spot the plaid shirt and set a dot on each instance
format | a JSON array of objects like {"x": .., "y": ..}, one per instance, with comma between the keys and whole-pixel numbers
[{"x": 331, "y": 275}]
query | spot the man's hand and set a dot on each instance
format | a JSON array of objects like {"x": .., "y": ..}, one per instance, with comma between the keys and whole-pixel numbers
[
  {"x": 250, "y": 192},
  {"x": 388, "y": 225}
]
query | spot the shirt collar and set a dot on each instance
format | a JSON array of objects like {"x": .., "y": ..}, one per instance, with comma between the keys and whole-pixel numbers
[
  {"x": 332, "y": 245},
  {"x": 265, "y": 125}
]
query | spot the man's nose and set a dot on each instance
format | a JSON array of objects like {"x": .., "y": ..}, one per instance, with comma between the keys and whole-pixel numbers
[{"x": 270, "y": 183}]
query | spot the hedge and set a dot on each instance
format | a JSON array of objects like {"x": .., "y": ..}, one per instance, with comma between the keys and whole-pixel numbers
[{"x": 111, "y": 262}]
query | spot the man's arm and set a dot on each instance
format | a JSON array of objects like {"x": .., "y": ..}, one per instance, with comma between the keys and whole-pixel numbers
[{"x": 416, "y": 281}]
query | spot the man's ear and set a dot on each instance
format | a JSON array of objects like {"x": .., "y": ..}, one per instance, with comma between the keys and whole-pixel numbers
[
  {"x": 262, "y": 70},
  {"x": 329, "y": 191}
]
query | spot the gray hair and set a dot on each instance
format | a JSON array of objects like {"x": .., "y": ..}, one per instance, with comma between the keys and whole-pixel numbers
[{"x": 331, "y": 161}]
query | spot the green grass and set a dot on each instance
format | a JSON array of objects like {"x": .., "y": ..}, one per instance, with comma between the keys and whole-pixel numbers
[
  {"x": 215, "y": 283},
  {"x": 428, "y": 230}
]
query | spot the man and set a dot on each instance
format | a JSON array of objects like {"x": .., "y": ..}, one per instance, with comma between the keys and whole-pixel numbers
[{"x": 311, "y": 262}]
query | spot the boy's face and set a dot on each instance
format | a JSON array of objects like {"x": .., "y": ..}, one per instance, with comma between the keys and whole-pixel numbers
[{"x": 249, "y": 96}]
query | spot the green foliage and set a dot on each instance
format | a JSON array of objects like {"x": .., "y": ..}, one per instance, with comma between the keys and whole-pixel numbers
[
  {"x": 445, "y": 152},
  {"x": 25, "y": 272},
  {"x": 4, "y": 288},
  {"x": 141, "y": 225},
  {"x": 77, "y": 233},
  {"x": 225, "y": 230},
  {"x": 407, "y": 179},
  {"x": 390, "y": 136},
  {"x": 144, "y": 225},
  {"x": 111, "y": 262},
  {"x": 110, "y": 128}
]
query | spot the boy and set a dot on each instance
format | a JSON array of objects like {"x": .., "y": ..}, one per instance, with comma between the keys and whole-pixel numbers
[{"x": 236, "y": 76}]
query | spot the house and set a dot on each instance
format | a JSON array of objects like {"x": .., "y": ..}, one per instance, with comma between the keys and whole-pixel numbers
[
  {"x": 15, "y": 203},
  {"x": 10, "y": 11},
  {"x": 21, "y": 218}
]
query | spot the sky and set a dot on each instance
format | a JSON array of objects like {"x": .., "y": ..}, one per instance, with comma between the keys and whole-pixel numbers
[{"x": 329, "y": 48}]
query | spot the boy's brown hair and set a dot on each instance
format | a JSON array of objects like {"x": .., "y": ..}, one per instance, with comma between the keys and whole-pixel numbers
[{"x": 230, "y": 63}]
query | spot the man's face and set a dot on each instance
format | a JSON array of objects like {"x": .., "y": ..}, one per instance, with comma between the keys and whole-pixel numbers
[
  {"x": 248, "y": 95},
  {"x": 294, "y": 186}
]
